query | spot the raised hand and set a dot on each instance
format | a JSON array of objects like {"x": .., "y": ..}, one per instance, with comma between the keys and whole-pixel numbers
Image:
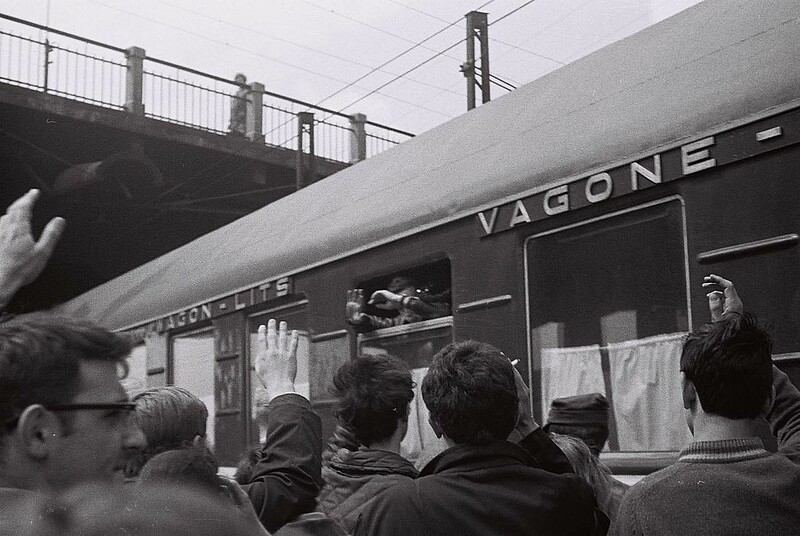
[
  {"x": 354, "y": 308},
  {"x": 22, "y": 258},
  {"x": 276, "y": 360},
  {"x": 721, "y": 302},
  {"x": 525, "y": 423}
]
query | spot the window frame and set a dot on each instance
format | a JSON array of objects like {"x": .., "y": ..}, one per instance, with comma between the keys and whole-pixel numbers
[{"x": 626, "y": 459}]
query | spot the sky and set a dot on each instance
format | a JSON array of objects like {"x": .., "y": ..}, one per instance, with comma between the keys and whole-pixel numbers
[{"x": 343, "y": 54}]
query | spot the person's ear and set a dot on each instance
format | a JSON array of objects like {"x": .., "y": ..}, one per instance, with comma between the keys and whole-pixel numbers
[
  {"x": 689, "y": 392},
  {"x": 769, "y": 402},
  {"x": 436, "y": 428},
  {"x": 38, "y": 431}
]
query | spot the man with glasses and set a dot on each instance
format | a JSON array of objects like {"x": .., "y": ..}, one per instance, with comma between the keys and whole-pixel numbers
[{"x": 65, "y": 417}]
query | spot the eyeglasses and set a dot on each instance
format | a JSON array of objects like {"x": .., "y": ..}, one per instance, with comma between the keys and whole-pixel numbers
[
  {"x": 127, "y": 407},
  {"x": 115, "y": 406}
]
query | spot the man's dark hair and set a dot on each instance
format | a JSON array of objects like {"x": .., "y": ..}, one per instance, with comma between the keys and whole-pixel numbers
[
  {"x": 170, "y": 417},
  {"x": 730, "y": 364},
  {"x": 373, "y": 392},
  {"x": 40, "y": 358},
  {"x": 470, "y": 392}
]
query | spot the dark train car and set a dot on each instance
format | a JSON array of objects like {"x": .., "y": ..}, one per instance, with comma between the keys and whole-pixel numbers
[{"x": 572, "y": 222}]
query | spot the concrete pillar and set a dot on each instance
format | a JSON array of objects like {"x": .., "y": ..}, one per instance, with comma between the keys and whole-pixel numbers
[
  {"x": 255, "y": 101},
  {"x": 134, "y": 80},
  {"x": 358, "y": 138}
]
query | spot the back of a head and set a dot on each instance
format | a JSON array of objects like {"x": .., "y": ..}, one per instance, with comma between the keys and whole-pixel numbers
[
  {"x": 729, "y": 362},
  {"x": 373, "y": 395},
  {"x": 583, "y": 416},
  {"x": 171, "y": 418},
  {"x": 40, "y": 357},
  {"x": 193, "y": 466},
  {"x": 155, "y": 510},
  {"x": 470, "y": 392}
]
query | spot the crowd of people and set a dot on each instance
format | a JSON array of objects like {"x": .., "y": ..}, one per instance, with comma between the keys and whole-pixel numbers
[{"x": 81, "y": 456}]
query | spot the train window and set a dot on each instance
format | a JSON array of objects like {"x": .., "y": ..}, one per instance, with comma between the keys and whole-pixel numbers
[
  {"x": 295, "y": 315},
  {"x": 136, "y": 379},
  {"x": 416, "y": 344},
  {"x": 608, "y": 311},
  {"x": 423, "y": 291},
  {"x": 193, "y": 369}
]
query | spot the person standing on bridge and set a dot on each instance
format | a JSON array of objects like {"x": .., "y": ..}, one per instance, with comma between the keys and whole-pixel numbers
[{"x": 238, "y": 124}]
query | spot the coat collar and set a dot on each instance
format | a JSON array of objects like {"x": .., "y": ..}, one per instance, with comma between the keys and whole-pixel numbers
[{"x": 468, "y": 456}]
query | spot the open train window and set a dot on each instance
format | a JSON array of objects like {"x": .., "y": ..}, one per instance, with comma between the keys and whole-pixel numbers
[
  {"x": 424, "y": 293},
  {"x": 608, "y": 311}
]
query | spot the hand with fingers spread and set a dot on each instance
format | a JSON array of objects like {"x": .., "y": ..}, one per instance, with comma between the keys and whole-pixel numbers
[
  {"x": 276, "y": 360},
  {"x": 354, "y": 308},
  {"x": 22, "y": 258},
  {"x": 721, "y": 302}
]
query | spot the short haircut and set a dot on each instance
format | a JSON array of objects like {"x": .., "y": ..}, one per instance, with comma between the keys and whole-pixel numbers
[
  {"x": 729, "y": 362},
  {"x": 192, "y": 466},
  {"x": 40, "y": 357},
  {"x": 470, "y": 392},
  {"x": 171, "y": 418},
  {"x": 373, "y": 393}
]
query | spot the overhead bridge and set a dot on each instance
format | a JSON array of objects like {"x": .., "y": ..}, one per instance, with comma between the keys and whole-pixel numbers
[{"x": 142, "y": 155}]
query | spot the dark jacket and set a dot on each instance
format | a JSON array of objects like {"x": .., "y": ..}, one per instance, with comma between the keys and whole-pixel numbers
[
  {"x": 287, "y": 479},
  {"x": 495, "y": 488},
  {"x": 353, "y": 479},
  {"x": 312, "y": 524}
]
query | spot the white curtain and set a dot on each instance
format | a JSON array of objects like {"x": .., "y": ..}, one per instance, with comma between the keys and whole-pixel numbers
[
  {"x": 570, "y": 371},
  {"x": 645, "y": 382},
  {"x": 420, "y": 434}
]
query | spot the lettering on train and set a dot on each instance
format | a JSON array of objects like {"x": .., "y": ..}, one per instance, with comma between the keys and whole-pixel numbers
[{"x": 616, "y": 182}]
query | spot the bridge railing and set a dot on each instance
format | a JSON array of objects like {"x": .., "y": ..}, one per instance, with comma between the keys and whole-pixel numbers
[{"x": 68, "y": 65}]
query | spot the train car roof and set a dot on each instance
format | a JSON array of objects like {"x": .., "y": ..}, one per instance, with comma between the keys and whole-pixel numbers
[{"x": 711, "y": 64}]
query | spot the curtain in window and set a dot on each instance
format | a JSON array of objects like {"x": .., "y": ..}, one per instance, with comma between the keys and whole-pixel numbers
[
  {"x": 570, "y": 371},
  {"x": 646, "y": 387}
]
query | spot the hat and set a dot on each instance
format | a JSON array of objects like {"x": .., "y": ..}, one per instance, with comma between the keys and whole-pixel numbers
[{"x": 580, "y": 410}]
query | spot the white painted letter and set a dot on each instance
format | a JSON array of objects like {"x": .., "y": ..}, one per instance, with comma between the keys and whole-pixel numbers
[
  {"x": 205, "y": 311},
  {"x": 603, "y": 194},
  {"x": 562, "y": 201},
  {"x": 488, "y": 226},
  {"x": 520, "y": 215},
  {"x": 282, "y": 286},
  {"x": 193, "y": 314},
  {"x": 693, "y": 159},
  {"x": 653, "y": 176}
]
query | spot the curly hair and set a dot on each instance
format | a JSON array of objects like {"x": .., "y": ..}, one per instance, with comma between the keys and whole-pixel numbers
[
  {"x": 373, "y": 395},
  {"x": 730, "y": 364},
  {"x": 470, "y": 392}
]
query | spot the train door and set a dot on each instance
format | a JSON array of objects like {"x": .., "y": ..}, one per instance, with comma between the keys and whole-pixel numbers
[{"x": 608, "y": 308}]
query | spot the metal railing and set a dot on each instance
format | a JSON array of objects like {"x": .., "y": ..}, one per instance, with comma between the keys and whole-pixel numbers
[{"x": 68, "y": 65}]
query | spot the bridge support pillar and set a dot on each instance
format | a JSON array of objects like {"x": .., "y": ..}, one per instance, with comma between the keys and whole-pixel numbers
[
  {"x": 305, "y": 160},
  {"x": 255, "y": 100},
  {"x": 134, "y": 80},
  {"x": 358, "y": 138}
]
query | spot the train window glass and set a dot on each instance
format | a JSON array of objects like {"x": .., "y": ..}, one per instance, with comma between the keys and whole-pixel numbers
[
  {"x": 415, "y": 344},
  {"x": 193, "y": 369},
  {"x": 327, "y": 355},
  {"x": 136, "y": 379},
  {"x": 428, "y": 285},
  {"x": 608, "y": 311},
  {"x": 296, "y": 318}
]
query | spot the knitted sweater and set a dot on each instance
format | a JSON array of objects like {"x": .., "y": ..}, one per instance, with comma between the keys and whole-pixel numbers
[{"x": 725, "y": 487}]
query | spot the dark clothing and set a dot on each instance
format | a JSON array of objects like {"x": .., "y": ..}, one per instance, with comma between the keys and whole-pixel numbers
[
  {"x": 312, "y": 524},
  {"x": 353, "y": 479},
  {"x": 725, "y": 487},
  {"x": 494, "y": 488},
  {"x": 287, "y": 479}
]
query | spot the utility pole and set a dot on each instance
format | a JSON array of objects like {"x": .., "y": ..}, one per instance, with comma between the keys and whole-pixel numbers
[{"x": 477, "y": 28}]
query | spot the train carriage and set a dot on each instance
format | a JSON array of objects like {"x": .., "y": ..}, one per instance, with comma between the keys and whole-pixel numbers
[{"x": 570, "y": 222}]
